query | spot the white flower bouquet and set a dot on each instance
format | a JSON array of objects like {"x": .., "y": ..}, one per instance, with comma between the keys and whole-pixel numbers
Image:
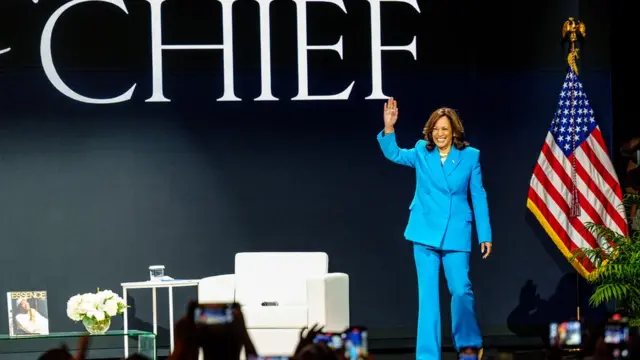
[{"x": 95, "y": 310}]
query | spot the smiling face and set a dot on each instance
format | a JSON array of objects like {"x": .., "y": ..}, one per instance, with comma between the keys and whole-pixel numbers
[
  {"x": 442, "y": 134},
  {"x": 444, "y": 130}
]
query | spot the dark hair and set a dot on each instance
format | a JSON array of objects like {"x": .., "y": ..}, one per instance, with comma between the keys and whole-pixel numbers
[{"x": 456, "y": 127}]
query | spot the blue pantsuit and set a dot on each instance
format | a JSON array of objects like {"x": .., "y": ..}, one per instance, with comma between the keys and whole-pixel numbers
[{"x": 440, "y": 223}]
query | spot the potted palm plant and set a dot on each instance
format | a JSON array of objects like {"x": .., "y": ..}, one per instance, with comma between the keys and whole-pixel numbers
[{"x": 617, "y": 276}]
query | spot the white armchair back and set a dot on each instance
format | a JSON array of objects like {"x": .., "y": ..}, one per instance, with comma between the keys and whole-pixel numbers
[{"x": 282, "y": 263}]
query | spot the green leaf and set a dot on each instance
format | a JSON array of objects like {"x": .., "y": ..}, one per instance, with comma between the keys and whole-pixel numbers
[{"x": 617, "y": 279}]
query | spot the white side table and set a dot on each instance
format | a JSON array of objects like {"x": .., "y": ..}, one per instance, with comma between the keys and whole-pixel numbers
[{"x": 153, "y": 285}]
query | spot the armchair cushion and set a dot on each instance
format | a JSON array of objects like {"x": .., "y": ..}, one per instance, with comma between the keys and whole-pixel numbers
[
  {"x": 284, "y": 291},
  {"x": 275, "y": 317}
]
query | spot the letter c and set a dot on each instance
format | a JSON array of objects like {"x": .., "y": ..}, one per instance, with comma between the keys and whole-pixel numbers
[{"x": 50, "y": 69}]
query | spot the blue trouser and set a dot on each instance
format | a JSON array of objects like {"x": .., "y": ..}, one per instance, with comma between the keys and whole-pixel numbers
[{"x": 466, "y": 332}]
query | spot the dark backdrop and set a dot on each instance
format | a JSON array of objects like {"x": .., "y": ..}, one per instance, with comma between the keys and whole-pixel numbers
[{"x": 91, "y": 195}]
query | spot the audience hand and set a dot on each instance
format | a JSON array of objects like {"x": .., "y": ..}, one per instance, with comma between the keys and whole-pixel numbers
[
  {"x": 239, "y": 327},
  {"x": 83, "y": 345},
  {"x": 307, "y": 339}
]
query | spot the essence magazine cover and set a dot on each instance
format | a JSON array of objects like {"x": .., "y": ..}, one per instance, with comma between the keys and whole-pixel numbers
[{"x": 28, "y": 314}]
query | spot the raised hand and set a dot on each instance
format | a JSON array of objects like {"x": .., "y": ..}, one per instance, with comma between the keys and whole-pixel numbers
[
  {"x": 83, "y": 345},
  {"x": 307, "y": 339},
  {"x": 390, "y": 115}
]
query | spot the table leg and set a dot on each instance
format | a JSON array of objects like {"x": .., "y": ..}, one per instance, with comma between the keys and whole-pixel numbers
[
  {"x": 126, "y": 323},
  {"x": 171, "y": 316},
  {"x": 155, "y": 312}
]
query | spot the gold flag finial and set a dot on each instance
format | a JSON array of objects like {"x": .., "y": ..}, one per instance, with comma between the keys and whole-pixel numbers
[{"x": 574, "y": 29}]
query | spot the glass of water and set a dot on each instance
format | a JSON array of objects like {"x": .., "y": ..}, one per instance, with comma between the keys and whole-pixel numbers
[{"x": 156, "y": 272}]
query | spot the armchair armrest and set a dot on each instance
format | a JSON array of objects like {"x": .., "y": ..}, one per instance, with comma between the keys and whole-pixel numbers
[
  {"x": 217, "y": 289},
  {"x": 328, "y": 301}
]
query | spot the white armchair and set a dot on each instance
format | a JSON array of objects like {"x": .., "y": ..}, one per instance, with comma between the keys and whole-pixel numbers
[{"x": 281, "y": 293}]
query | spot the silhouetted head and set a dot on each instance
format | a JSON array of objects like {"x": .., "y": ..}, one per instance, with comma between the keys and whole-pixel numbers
[
  {"x": 316, "y": 351},
  {"x": 60, "y": 353}
]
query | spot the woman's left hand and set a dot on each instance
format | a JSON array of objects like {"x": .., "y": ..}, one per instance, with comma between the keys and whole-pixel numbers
[{"x": 485, "y": 249}]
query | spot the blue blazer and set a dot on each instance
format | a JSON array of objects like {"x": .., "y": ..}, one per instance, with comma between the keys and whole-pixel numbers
[{"x": 440, "y": 215}]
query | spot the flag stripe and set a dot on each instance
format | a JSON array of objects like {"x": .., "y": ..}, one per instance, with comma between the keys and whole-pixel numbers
[
  {"x": 580, "y": 268},
  {"x": 563, "y": 171},
  {"x": 603, "y": 154},
  {"x": 579, "y": 233},
  {"x": 561, "y": 181},
  {"x": 552, "y": 206},
  {"x": 555, "y": 228},
  {"x": 591, "y": 149},
  {"x": 606, "y": 211},
  {"x": 537, "y": 199},
  {"x": 594, "y": 182}
]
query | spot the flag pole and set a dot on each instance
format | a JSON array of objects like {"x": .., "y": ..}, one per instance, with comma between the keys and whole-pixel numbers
[{"x": 571, "y": 29}]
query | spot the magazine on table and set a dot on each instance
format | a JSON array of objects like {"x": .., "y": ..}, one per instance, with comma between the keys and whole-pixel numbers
[{"x": 28, "y": 315}]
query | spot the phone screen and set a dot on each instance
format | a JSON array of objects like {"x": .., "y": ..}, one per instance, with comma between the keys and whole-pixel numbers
[
  {"x": 355, "y": 342},
  {"x": 468, "y": 354},
  {"x": 565, "y": 334},
  {"x": 213, "y": 314},
  {"x": 616, "y": 336},
  {"x": 332, "y": 340},
  {"x": 616, "y": 333},
  {"x": 468, "y": 357}
]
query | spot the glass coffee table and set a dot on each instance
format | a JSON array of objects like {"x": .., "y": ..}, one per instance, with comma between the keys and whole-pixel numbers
[{"x": 41, "y": 343}]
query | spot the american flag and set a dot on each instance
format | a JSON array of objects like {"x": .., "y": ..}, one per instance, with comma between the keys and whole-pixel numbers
[{"x": 574, "y": 181}]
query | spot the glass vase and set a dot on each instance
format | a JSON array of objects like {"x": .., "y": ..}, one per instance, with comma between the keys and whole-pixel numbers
[{"x": 95, "y": 327}]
